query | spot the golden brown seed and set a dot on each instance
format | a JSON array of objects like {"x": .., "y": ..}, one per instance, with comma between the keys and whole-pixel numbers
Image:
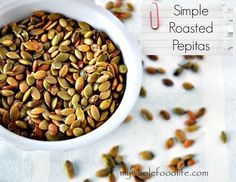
[
  {"x": 179, "y": 111},
  {"x": 129, "y": 6},
  {"x": 188, "y": 86},
  {"x": 40, "y": 75},
  {"x": 172, "y": 168},
  {"x": 192, "y": 128},
  {"x": 69, "y": 169},
  {"x": 32, "y": 46},
  {"x": 79, "y": 85},
  {"x": 169, "y": 143},
  {"x": 35, "y": 93},
  {"x": 14, "y": 113},
  {"x": 114, "y": 151},
  {"x": 146, "y": 155},
  {"x": 109, "y": 5},
  {"x": 37, "y": 110},
  {"x": 188, "y": 143},
  {"x": 123, "y": 167},
  {"x": 111, "y": 178},
  {"x": 180, "y": 135},
  {"x": 146, "y": 114},
  {"x": 191, "y": 162},
  {"x": 180, "y": 165},
  {"x": 95, "y": 112},
  {"x": 103, "y": 172}
]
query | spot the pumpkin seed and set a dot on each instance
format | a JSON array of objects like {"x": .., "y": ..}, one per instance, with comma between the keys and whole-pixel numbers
[
  {"x": 103, "y": 172},
  {"x": 167, "y": 82},
  {"x": 180, "y": 135},
  {"x": 69, "y": 169},
  {"x": 143, "y": 92},
  {"x": 169, "y": 143},
  {"x": 146, "y": 114},
  {"x": 179, "y": 111},
  {"x": 223, "y": 137},
  {"x": 165, "y": 114},
  {"x": 114, "y": 151},
  {"x": 188, "y": 143},
  {"x": 188, "y": 86},
  {"x": 146, "y": 155},
  {"x": 108, "y": 161}
]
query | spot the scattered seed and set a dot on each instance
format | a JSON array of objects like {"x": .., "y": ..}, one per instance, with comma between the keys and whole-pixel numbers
[
  {"x": 179, "y": 111},
  {"x": 223, "y": 137},
  {"x": 201, "y": 112},
  {"x": 180, "y": 135},
  {"x": 103, "y": 172},
  {"x": 188, "y": 86},
  {"x": 153, "y": 57},
  {"x": 146, "y": 114},
  {"x": 167, "y": 82},
  {"x": 165, "y": 114},
  {"x": 128, "y": 119},
  {"x": 69, "y": 169},
  {"x": 114, "y": 151},
  {"x": 146, "y": 155},
  {"x": 143, "y": 92},
  {"x": 169, "y": 143},
  {"x": 188, "y": 143}
]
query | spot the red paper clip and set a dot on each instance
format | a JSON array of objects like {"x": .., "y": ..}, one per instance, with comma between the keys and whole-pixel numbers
[{"x": 157, "y": 17}]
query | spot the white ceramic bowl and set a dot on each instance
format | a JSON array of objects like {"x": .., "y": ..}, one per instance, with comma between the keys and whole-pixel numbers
[{"x": 100, "y": 19}]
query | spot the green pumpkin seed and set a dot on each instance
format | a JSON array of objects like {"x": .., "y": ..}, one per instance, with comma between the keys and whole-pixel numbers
[
  {"x": 146, "y": 114},
  {"x": 69, "y": 169},
  {"x": 223, "y": 137},
  {"x": 64, "y": 95},
  {"x": 78, "y": 132},
  {"x": 80, "y": 114}
]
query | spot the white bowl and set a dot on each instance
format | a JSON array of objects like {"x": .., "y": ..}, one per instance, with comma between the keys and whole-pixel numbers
[{"x": 100, "y": 19}]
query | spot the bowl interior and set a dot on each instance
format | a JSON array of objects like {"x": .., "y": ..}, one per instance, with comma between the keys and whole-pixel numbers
[{"x": 102, "y": 20}]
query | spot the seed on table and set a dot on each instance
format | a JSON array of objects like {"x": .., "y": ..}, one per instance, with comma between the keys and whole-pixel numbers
[
  {"x": 136, "y": 167},
  {"x": 167, "y": 82},
  {"x": 172, "y": 168},
  {"x": 188, "y": 86},
  {"x": 69, "y": 169},
  {"x": 161, "y": 70},
  {"x": 114, "y": 151},
  {"x": 118, "y": 159},
  {"x": 191, "y": 162},
  {"x": 180, "y": 135},
  {"x": 188, "y": 143},
  {"x": 143, "y": 92},
  {"x": 128, "y": 119},
  {"x": 151, "y": 70},
  {"x": 223, "y": 137},
  {"x": 111, "y": 178},
  {"x": 146, "y": 114},
  {"x": 201, "y": 112},
  {"x": 178, "y": 71},
  {"x": 179, "y": 111},
  {"x": 180, "y": 165},
  {"x": 108, "y": 161},
  {"x": 103, "y": 172},
  {"x": 175, "y": 161},
  {"x": 192, "y": 128},
  {"x": 153, "y": 57},
  {"x": 146, "y": 155},
  {"x": 123, "y": 167},
  {"x": 169, "y": 143},
  {"x": 188, "y": 157},
  {"x": 165, "y": 114}
]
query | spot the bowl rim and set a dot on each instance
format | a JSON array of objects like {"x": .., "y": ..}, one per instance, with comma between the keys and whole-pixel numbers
[{"x": 129, "y": 98}]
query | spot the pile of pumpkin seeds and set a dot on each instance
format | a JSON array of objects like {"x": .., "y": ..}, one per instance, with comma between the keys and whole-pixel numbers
[
  {"x": 122, "y": 10},
  {"x": 59, "y": 78}
]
